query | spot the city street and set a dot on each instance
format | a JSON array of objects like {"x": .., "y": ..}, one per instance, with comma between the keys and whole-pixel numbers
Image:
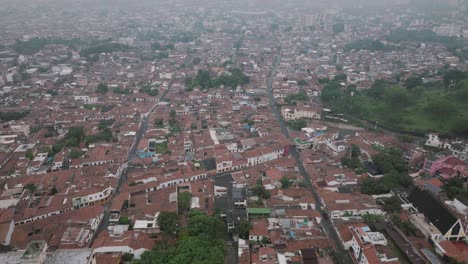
[{"x": 341, "y": 255}]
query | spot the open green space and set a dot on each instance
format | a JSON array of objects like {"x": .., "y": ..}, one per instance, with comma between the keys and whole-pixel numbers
[{"x": 440, "y": 106}]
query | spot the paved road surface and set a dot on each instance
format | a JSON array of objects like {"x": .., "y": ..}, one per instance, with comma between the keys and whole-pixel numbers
[
  {"x": 341, "y": 255},
  {"x": 405, "y": 246},
  {"x": 132, "y": 155}
]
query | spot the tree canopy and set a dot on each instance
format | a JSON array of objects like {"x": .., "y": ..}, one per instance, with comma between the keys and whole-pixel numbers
[
  {"x": 231, "y": 79},
  {"x": 202, "y": 241},
  {"x": 9, "y": 116}
]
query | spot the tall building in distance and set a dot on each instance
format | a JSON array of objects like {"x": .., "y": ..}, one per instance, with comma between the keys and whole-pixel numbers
[{"x": 315, "y": 20}]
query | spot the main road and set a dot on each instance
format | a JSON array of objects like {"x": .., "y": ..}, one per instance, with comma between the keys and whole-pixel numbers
[
  {"x": 143, "y": 126},
  {"x": 340, "y": 255}
]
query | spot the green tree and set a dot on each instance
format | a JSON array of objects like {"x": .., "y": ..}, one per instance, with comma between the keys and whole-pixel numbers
[
  {"x": 184, "y": 200},
  {"x": 172, "y": 114},
  {"x": 298, "y": 124},
  {"x": 331, "y": 92},
  {"x": 29, "y": 155},
  {"x": 440, "y": 108},
  {"x": 244, "y": 228},
  {"x": 9, "y": 116},
  {"x": 413, "y": 82},
  {"x": 150, "y": 90},
  {"x": 127, "y": 256},
  {"x": 454, "y": 188},
  {"x": 75, "y": 153},
  {"x": 159, "y": 122},
  {"x": 53, "y": 190},
  {"x": 355, "y": 151},
  {"x": 30, "y": 186},
  {"x": 391, "y": 204},
  {"x": 168, "y": 223},
  {"x": 353, "y": 163},
  {"x": 459, "y": 127},
  {"x": 405, "y": 226},
  {"x": 260, "y": 191},
  {"x": 119, "y": 90},
  {"x": 123, "y": 220},
  {"x": 454, "y": 76},
  {"x": 196, "y": 61},
  {"x": 390, "y": 159},
  {"x": 52, "y": 92},
  {"x": 397, "y": 97},
  {"x": 210, "y": 227},
  {"x": 371, "y": 218},
  {"x": 301, "y": 96},
  {"x": 102, "y": 88},
  {"x": 198, "y": 250},
  {"x": 285, "y": 182}
]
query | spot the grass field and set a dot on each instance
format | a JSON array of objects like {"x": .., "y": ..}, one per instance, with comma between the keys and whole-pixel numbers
[{"x": 415, "y": 116}]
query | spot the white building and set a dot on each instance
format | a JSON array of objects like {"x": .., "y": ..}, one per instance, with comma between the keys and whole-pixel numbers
[
  {"x": 92, "y": 198},
  {"x": 290, "y": 114}
]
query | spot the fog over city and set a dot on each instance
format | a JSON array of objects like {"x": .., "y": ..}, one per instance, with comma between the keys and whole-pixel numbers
[{"x": 249, "y": 131}]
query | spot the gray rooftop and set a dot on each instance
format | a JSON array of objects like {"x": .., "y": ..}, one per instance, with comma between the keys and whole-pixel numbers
[{"x": 70, "y": 256}]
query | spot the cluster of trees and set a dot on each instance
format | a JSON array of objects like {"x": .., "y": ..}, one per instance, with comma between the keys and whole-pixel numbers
[
  {"x": 52, "y": 92},
  {"x": 453, "y": 188},
  {"x": 353, "y": 162},
  {"x": 149, "y": 89},
  {"x": 103, "y": 48},
  {"x": 9, "y": 116},
  {"x": 120, "y": 90},
  {"x": 162, "y": 148},
  {"x": 367, "y": 44},
  {"x": 332, "y": 91},
  {"x": 174, "y": 126},
  {"x": 390, "y": 161},
  {"x": 184, "y": 200},
  {"x": 391, "y": 204},
  {"x": 31, "y": 187},
  {"x": 286, "y": 182},
  {"x": 416, "y": 107},
  {"x": 73, "y": 138},
  {"x": 159, "y": 122},
  {"x": 102, "y": 88},
  {"x": 34, "y": 45},
  {"x": 150, "y": 35},
  {"x": 76, "y": 135},
  {"x": 204, "y": 79},
  {"x": 259, "y": 190},
  {"x": 201, "y": 241},
  {"x": 298, "y": 124},
  {"x": 300, "y": 96},
  {"x": 371, "y": 218},
  {"x": 103, "y": 135},
  {"x": 400, "y": 35},
  {"x": 158, "y": 46},
  {"x": 406, "y": 227},
  {"x": 244, "y": 227},
  {"x": 75, "y": 153}
]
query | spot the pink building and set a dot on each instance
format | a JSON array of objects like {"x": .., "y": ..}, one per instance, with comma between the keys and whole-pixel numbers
[{"x": 448, "y": 167}]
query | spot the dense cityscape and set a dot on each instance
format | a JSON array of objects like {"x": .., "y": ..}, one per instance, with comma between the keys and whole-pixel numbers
[{"x": 243, "y": 131}]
